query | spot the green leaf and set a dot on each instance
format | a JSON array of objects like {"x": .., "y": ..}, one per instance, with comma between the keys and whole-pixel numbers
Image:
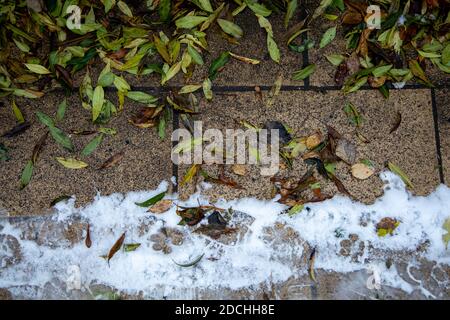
[
  {"x": 381, "y": 71},
  {"x": 274, "y": 52},
  {"x": 292, "y": 6},
  {"x": 335, "y": 59},
  {"x": 36, "y": 68},
  {"x": 355, "y": 86},
  {"x": 207, "y": 89},
  {"x": 189, "y": 264},
  {"x": 418, "y": 72},
  {"x": 258, "y": 8},
  {"x": 26, "y": 174},
  {"x": 172, "y": 72},
  {"x": 230, "y": 28},
  {"x": 295, "y": 209},
  {"x": 353, "y": 114},
  {"x": 204, "y": 5},
  {"x": 45, "y": 119},
  {"x": 189, "y": 22},
  {"x": 61, "y": 110},
  {"x": 125, "y": 9},
  {"x": 129, "y": 247},
  {"x": 395, "y": 169},
  {"x": 446, "y": 237},
  {"x": 97, "y": 102},
  {"x": 92, "y": 145},
  {"x": 61, "y": 138},
  {"x": 218, "y": 64},
  {"x": 71, "y": 163},
  {"x": 17, "y": 113},
  {"x": 152, "y": 200},
  {"x": 106, "y": 79},
  {"x": 195, "y": 55},
  {"x": 109, "y": 4},
  {"x": 164, "y": 10},
  {"x": 327, "y": 37},
  {"x": 190, "y": 88},
  {"x": 324, "y": 4},
  {"x": 141, "y": 97},
  {"x": 304, "y": 73}
]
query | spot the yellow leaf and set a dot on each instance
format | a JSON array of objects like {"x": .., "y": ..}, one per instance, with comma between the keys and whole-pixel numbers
[
  {"x": 37, "y": 68},
  {"x": 71, "y": 163}
]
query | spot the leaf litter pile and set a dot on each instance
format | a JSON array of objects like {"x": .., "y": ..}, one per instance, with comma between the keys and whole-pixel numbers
[{"x": 170, "y": 38}]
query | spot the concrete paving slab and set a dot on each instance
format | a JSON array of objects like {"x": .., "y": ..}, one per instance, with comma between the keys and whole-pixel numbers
[
  {"x": 411, "y": 146},
  {"x": 252, "y": 45},
  {"x": 144, "y": 165}
]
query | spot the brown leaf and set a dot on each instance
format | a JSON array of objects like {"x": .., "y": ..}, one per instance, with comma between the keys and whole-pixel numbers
[
  {"x": 352, "y": 17},
  {"x": 313, "y": 140},
  {"x": 112, "y": 161},
  {"x": 239, "y": 169},
  {"x": 376, "y": 82},
  {"x": 116, "y": 247},
  {"x": 191, "y": 216},
  {"x": 161, "y": 206},
  {"x": 398, "y": 121},
  {"x": 146, "y": 118},
  {"x": 64, "y": 75},
  {"x": 339, "y": 185},
  {"x": 88, "y": 241},
  {"x": 361, "y": 171},
  {"x": 38, "y": 147},
  {"x": 341, "y": 74},
  {"x": 119, "y": 54}
]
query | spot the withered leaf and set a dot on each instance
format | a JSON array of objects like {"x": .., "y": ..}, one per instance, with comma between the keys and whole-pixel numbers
[
  {"x": 112, "y": 161},
  {"x": 362, "y": 171},
  {"x": 161, "y": 206},
  {"x": 116, "y": 247},
  {"x": 239, "y": 169},
  {"x": 398, "y": 121},
  {"x": 88, "y": 241},
  {"x": 38, "y": 147},
  {"x": 64, "y": 76}
]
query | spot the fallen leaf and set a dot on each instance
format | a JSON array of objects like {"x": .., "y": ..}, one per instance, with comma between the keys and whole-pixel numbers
[
  {"x": 129, "y": 247},
  {"x": 387, "y": 226},
  {"x": 112, "y": 161},
  {"x": 446, "y": 237},
  {"x": 190, "y": 264},
  {"x": 161, "y": 206},
  {"x": 239, "y": 169},
  {"x": 71, "y": 163},
  {"x": 151, "y": 201},
  {"x": 313, "y": 140},
  {"x": 88, "y": 241},
  {"x": 395, "y": 169},
  {"x": 362, "y": 171},
  {"x": 116, "y": 247}
]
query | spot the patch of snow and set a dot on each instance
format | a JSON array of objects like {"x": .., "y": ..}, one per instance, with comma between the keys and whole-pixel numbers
[{"x": 251, "y": 261}]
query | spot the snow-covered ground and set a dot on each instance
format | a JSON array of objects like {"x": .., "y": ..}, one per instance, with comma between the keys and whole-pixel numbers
[{"x": 258, "y": 254}]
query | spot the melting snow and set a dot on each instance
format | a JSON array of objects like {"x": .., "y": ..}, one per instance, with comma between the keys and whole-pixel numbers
[{"x": 248, "y": 262}]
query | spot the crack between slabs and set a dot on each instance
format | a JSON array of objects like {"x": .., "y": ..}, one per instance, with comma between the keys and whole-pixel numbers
[{"x": 437, "y": 135}]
